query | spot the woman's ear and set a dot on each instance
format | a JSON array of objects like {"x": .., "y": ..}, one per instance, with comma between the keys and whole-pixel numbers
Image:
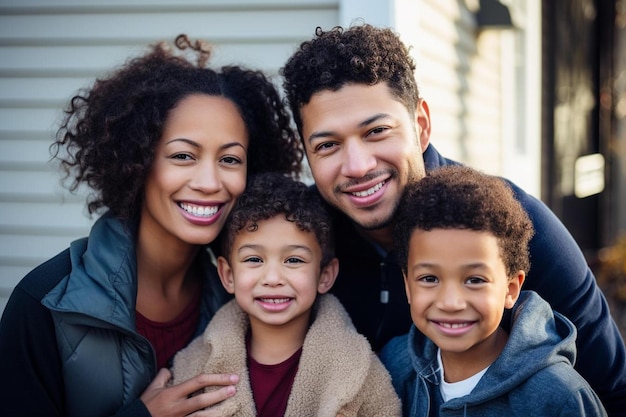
[
  {"x": 514, "y": 288},
  {"x": 226, "y": 274},
  {"x": 328, "y": 276}
]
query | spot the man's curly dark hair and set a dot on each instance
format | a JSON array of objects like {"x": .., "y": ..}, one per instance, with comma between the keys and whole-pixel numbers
[
  {"x": 458, "y": 197},
  {"x": 110, "y": 131},
  {"x": 272, "y": 194},
  {"x": 361, "y": 54}
]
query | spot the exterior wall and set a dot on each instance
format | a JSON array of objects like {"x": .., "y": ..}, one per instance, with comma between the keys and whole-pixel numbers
[{"x": 51, "y": 48}]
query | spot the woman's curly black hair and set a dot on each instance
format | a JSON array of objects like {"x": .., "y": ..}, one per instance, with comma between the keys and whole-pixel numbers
[
  {"x": 271, "y": 194},
  {"x": 457, "y": 197},
  {"x": 110, "y": 131},
  {"x": 361, "y": 54}
]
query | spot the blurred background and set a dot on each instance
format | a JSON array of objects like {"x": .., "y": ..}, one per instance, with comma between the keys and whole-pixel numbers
[{"x": 528, "y": 89}]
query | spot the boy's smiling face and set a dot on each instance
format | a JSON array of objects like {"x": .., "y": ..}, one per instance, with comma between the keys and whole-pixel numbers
[
  {"x": 275, "y": 273},
  {"x": 457, "y": 288}
]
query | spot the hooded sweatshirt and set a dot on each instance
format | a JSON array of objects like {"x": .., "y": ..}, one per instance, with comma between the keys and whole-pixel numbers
[
  {"x": 337, "y": 372},
  {"x": 533, "y": 376}
]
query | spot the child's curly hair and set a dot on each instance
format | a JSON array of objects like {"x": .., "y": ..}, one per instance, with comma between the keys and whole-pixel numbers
[
  {"x": 272, "y": 194},
  {"x": 457, "y": 197},
  {"x": 361, "y": 54},
  {"x": 110, "y": 131}
]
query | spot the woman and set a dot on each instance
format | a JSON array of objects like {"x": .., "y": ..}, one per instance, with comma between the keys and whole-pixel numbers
[{"x": 166, "y": 145}]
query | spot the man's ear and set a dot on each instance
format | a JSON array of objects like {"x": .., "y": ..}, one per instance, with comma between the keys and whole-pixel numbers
[
  {"x": 328, "y": 276},
  {"x": 422, "y": 119},
  {"x": 226, "y": 274},
  {"x": 514, "y": 288}
]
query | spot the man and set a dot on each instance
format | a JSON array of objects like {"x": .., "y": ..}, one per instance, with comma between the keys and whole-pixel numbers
[{"x": 366, "y": 133}]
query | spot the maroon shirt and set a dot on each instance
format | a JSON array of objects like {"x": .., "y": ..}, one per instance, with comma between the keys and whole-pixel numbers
[
  {"x": 170, "y": 337},
  {"x": 271, "y": 384}
]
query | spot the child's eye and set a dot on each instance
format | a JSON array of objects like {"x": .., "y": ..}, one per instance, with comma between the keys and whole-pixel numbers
[
  {"x": 253, "y": 259},
  {"x": 293, "y": 260},
  {"x": 475, "y": 280},
  {"x": 428, "y": 279}
]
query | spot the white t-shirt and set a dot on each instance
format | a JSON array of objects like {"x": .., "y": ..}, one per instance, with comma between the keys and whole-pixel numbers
[{"x": 450, "y": 390}]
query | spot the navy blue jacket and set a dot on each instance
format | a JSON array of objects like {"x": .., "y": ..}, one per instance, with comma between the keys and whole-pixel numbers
[{"x": 559, "y": 273}]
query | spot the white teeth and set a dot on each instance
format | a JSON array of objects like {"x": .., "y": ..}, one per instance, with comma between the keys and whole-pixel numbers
[
  {"x": 369, "y": 191},
  {"x": 453, "y": 325},
  {"x": 200, "y": 211},
  {"x": 275, "y": 300}
]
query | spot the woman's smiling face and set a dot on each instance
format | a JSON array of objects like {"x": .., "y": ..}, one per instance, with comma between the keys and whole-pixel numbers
[{"x": 198, "y": 172}]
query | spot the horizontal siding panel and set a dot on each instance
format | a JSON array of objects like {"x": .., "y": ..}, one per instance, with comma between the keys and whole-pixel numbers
[
  {"x": 89, "y": 62},
  {"x": 85, "y": 29},
  {"x": 34, "y": 92},
  {"x": 31, "y": 250},
  {"x": 18, "y": 152},
  {"x": 29, "y": 119},
  {"x": 39, "y": 6},
  {"x": 32, "y": 218},
  {"x": 31, "y": 184}
]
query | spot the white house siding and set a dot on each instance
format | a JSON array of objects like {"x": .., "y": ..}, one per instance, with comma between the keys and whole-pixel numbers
[
  {"x": 483, "y": 87},
  {"x": 51, "y": 48}
]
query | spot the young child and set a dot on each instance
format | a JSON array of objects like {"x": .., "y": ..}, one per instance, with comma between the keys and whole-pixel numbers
[
  {"x": 297, "y": 353},
  {"x": 462, "y": 240}
]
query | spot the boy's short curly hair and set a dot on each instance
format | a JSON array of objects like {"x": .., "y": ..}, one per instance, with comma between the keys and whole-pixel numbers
[
  {"x": 110, "y": 130},
  {"x": 272, "y": 194},
  {"x": 458, "y": 197},
  {"x": 361, "y": 54}
]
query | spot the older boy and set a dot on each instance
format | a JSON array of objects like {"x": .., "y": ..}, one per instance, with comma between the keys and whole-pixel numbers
[
  {"x": 462, "y": 240},
  {"x": 296, "y": 353}
]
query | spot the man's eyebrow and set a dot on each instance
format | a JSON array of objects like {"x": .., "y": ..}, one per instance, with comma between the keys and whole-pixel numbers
[{"x": 366, "y": 122}]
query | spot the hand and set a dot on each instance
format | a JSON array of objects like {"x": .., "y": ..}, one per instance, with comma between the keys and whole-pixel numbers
[{"x": 174, "y": 401}]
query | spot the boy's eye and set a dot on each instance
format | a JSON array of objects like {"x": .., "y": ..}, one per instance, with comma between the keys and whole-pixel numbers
[
  {"x": 253, "y": 259},
  {"x": 293, "y": 260},
  {"x": 428, "y": 279},
  {"x": 475, "y": 280}
]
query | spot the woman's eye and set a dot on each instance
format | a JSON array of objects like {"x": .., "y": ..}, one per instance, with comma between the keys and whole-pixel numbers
[
  {"x": 231, "y": 160},
  {"x": 182, "y": 157}
]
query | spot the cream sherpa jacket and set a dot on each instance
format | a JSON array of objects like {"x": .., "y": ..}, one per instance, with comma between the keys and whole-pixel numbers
[{"x": 338, "y": 373}]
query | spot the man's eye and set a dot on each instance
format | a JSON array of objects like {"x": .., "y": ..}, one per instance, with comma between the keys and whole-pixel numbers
[
  {"x": 378, "y": 130},
  {"x": 325, "y": 146}
]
